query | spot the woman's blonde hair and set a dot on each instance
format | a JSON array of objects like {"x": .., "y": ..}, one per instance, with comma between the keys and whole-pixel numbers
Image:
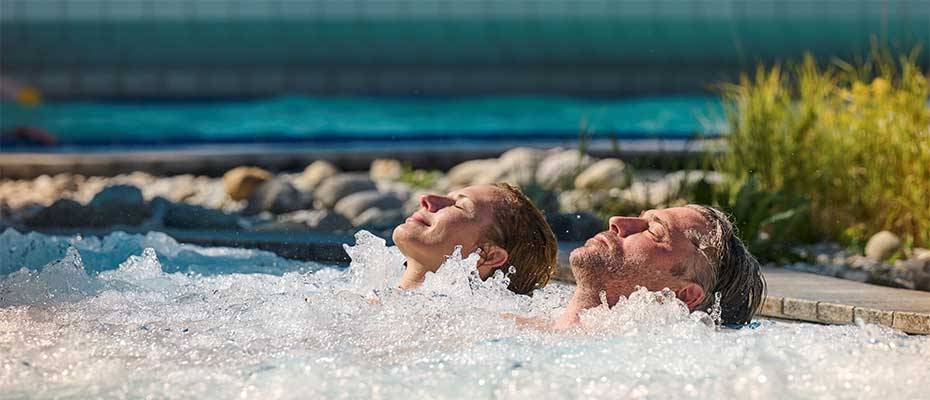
[{"x": 521, "y": 229}]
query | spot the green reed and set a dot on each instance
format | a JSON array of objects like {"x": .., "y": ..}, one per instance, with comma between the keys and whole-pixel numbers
[{"x": 853, "y": 139}]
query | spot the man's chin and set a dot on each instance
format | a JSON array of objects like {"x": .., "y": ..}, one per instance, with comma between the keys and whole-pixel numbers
[{"x": 585, "y": 259}]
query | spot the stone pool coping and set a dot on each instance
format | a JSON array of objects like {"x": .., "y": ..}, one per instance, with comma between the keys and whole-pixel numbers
[
  {"x": 816, "y": 298},
  {"x": 792, "y": 295}
]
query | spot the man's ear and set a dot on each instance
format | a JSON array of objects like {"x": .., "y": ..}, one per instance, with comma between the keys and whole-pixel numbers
[
  {"x": 691, "y": 294},
  {"x": 492, "y": 258}
]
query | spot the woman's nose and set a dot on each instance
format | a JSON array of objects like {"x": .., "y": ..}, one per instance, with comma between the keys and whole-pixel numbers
[
  {"x": 626, "y": 226},
  {"x": 434, "y": 202}
]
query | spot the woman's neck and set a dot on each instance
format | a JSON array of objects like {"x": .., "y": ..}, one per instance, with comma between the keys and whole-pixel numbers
[{"x": 414, "y": 274}]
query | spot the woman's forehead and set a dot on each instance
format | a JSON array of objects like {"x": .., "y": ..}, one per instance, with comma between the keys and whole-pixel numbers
[{"x": 475, "y": 192}]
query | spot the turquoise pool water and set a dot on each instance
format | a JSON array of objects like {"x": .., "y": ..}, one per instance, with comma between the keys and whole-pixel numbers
[{"x": 361, "y": 119}]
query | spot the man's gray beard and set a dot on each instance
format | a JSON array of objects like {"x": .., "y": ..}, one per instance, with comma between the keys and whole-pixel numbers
[
  {"x": 590, "y": 264},
  {"x": 596, "y": 262}
]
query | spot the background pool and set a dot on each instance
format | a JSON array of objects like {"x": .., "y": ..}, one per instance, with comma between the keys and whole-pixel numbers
[{"x": 338, "y": 120}]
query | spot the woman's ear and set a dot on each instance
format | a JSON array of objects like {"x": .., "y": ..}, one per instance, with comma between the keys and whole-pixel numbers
[
  {"x": 492, "y": 258},
  {"x": 691, "y": 294}
]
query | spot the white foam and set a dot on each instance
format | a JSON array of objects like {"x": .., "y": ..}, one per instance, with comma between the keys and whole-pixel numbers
[{"x": 99, "y": 323}]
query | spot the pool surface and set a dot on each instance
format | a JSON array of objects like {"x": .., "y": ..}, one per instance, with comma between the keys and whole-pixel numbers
[
  {"x": 131, "y": 315},
  {"x": 335, "y": 120}
]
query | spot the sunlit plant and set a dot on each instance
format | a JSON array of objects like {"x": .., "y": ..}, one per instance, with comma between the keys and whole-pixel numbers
[{"x": 854, "y": 139}]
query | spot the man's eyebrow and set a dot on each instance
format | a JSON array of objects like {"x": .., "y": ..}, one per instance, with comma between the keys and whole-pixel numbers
[{"x": 652, "y": 216}]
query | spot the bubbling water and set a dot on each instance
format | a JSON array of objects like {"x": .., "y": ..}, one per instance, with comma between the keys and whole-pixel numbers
[{"x": 135, "y": 316}]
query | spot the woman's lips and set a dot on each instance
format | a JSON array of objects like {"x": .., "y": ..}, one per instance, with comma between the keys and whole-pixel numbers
[{"x": 416, "y": 217}]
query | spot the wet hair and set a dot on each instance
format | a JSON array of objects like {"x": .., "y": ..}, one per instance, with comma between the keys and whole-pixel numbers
[
  {"x": 730, "y": 269},
  {"x": 521, "y": 230}
]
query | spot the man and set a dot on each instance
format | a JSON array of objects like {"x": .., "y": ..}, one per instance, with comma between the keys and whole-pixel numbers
[
  {"x": 692, "y": 250},
  {"x": 496, "y": 220}
]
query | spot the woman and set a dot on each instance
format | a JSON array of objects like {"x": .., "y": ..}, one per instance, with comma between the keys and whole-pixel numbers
[{"x": 497, "y": 220}]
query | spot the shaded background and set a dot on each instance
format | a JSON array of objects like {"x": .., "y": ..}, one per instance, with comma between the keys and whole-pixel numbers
[{"x": 233, "y": 48}]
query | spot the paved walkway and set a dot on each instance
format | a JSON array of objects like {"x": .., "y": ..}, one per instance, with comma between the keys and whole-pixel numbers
[{"x": 816, "y": 298}]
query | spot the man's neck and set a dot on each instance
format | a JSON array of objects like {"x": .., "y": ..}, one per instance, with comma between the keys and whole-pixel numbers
[{"x": 587, "y": 295}]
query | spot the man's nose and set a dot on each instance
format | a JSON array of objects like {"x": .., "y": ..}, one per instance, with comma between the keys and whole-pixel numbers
[
  {"x": 434, "y": 202},
  {"x": 626, "y": 226}
]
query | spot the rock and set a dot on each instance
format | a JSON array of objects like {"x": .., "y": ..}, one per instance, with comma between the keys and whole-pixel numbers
[
  {"x": 582, "y": 200},
  {"x": 523, "y": 157},
  {"x": 558, "y": 171},
  {"x": 546, "y": 200},
  {"x": 377, "y": 219},
  {"x": 920, "y": 269},
  {"x": 921, "y": 254},
  {"x": 413, "y": 202},
  {"x": 465, "y": 173},
  {"x": 603, "y": 175},
  {"x": 276, "y": 196},
  {"x": 647, "y": 195},
  {"x": 276, "y": 226},
  {"x": 333, "y": 189},
  {"x": 922, "y": 281},
  {"x": 118, "y": 205},
  {"x": 322, "y": 220},
  {"x": 240, "y": 182},
  {"x": 354, "y": 204},
  {"x": 882, "y": 245},
  {"x": 398, "y": 189},
  {"x": 516, "y": 166},
  {"x": 65, "y": 213},
  {"x": 386, "y": 170},
  {"x": 189, "y": 216},
  {"x": 681, "y": 181},
  {"x": 575, "y": 227},
  {"x": 315, "y": 173}
]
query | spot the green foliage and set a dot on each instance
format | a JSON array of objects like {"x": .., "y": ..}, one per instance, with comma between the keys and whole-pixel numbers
[
  {"x": 767, "y": 222},
  {"x": 420, "y": 178},
  {"x": 855, "y": 140}
]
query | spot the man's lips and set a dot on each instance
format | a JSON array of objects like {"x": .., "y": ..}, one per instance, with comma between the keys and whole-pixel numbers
[
  {"x": 416, "y": 217},
  {"x": 604, "y": 239}
]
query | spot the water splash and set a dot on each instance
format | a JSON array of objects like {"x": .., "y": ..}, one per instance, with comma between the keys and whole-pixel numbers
[{"x": 93, "y": 325}]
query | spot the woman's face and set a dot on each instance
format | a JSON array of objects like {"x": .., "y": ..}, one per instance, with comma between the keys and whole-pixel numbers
[{"x": 443, "y": 222}]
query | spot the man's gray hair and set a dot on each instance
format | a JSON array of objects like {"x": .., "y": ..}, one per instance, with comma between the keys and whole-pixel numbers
[{"x": 730, "y": 270}]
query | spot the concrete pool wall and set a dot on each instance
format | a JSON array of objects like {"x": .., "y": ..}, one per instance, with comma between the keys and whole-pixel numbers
[{"x": 142, "y": 48}]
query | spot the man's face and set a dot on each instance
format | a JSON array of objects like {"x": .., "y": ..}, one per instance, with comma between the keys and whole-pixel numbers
[
  {"x": 652, "y": 250},
  {"x": 442, "y": 222}
]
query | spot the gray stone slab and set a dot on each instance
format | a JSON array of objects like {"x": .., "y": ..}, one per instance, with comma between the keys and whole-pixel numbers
[
  {"x": 799, "y": 285},
  {"x": 772, "y": 306},
  {"x": 800, "y": 309},
  {"x": 912, "y": 322},
  {"x": 835, "y": 313},
  {"x": 874, "y": 316}
]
